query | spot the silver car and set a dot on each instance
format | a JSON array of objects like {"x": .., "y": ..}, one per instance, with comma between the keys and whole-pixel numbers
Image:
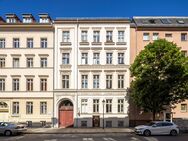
[
  {"x": 158, "y": 128},
  {"x": 8, "y": 128}
]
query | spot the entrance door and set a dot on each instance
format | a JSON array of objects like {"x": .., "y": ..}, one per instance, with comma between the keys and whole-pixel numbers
[
  {"x": 96, "y": 121},
  {"x": 66, "y": 114}
]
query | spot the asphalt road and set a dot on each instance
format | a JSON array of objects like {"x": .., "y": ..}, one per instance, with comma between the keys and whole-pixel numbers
[{"x": 92, "y": 137}]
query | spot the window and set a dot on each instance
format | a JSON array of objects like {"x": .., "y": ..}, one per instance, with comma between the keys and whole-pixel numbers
[
  {"x": 183, "y": 36},
  {"x": 11, "y": 20},
  {"x": 121, "y": 36},
  {"x": 96, "y": 36},
  {"x": 168, "y": 35},
  {"x": 84, "y": 36},
  {"x": 95, "y": 81},
  {"x": 43, "y": 62},
  {"x": 2, "y": 84},
  {"x": 65, "y": 81},
  {"x": 108, "y": 58},
  {"x": 29, "y": 107},
  {"x": 120, "y": 123},
  {"x": 84, "y": 58},
  {"x": 120, "y": 81},
  {"x": 2, "y": 43},
  {"x": 2, "y": 62},
  {"x": 16, "y": 43},
  {"x": 16, "y": 62},
  {"x": 146, "y": 36},
  {"x": 15, "y": 85},
  {"x": 108, "y": 124},
  {"x": 15, "y": 108},
  {"x": 183, "y": 107},
  {"x": 84, "y": 106},
  {"x": 108, "y": 81},
  {"x": 184, "y": 52},
  {"x": 109, "y": 36},
  {"x": 95, "y": 105},
  {"x": 43, "y": 107},
  {"x": 29, "y": 62},
  {"x": 29, "y": 84},
  {"x": 65, "y": 58},
  {"x": 120, "y": 105},
  {"x": 43, "y": 42},
  {"x": 120, "y": 58},
  {"x": 84, "y": 81},
  {"x": 84, "y": 123},
  {"x": 155, "y": 36},
  {"x": 96, "y": 58},
  {"x": 43, "y": 84},
  {"x": 66, "y": 36},
  {"x": 166, "y": 21},
  {"x": 29, "y": 42},
  {"x": 108, "y": 105}
]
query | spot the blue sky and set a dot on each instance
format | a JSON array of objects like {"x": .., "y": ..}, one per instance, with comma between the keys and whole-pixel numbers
[{"x": 96, "y": 8}]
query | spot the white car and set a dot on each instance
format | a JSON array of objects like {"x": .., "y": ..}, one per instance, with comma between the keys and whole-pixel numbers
[
  {"x": 158, "y": 128},
  {"x": 8, "y": 128}
]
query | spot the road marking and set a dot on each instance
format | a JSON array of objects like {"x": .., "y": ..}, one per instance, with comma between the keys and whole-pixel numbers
[
  {"x": 151, "y": 139},
  {"x": 51, "y": 140},
  {"x": 134, "y": 139},
  {"x": 87, "y": 139},
  {"x": 14, "y": 138},
  {"x": 109, "y": 139}
]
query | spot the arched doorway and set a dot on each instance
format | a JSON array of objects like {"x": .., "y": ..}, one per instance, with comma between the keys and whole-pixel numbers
[{"x": 66, "y": 114}]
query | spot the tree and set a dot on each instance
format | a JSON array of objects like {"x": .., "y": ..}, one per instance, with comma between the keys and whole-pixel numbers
[{"x": 160, "y": 77}]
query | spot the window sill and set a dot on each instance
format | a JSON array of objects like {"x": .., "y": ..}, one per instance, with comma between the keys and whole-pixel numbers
[
  {"x": 65, "y": 44},
  {"x": 109, "y": 43},
  {"x": 15, "y": 115},
  {"x": 121, "y": 43},
  {"x": 96, "y": 43},
  {"x": 84, "y": 43}
]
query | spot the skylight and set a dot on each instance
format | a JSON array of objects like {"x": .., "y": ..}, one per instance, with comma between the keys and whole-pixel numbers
[
  {"x": 180, "y": 21},
  {"x": 166, "y": 21}
]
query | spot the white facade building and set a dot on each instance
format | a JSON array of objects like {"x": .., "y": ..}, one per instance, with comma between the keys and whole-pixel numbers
[{"x": 91, "y": 72}]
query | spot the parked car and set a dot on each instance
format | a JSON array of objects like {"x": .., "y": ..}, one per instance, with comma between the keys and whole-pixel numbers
[
  {"x": 158, "y": 128},
  {"x": 8, "y": 128}
]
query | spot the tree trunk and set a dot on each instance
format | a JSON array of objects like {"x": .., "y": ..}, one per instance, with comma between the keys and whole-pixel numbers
[{"x": 154, "y": 115}]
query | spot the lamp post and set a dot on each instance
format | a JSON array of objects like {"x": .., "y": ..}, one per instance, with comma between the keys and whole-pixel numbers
[{"x": 103, "y": 101}]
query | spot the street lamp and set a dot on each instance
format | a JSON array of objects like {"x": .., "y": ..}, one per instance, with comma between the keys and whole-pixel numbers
[{"x": 103, "y": 101}]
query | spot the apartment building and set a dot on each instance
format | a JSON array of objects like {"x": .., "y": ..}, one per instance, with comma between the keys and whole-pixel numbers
[
  {"x": 145, "y": 30},
  {"x": 91, "y": 72},
  {"x": 26, "y": 68}
]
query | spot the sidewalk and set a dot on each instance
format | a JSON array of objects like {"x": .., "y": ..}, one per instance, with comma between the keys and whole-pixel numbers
[{"x": 77, "y": 130}]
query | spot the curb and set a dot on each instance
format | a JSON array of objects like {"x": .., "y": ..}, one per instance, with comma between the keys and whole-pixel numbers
[{"x": 78, "y": 132}]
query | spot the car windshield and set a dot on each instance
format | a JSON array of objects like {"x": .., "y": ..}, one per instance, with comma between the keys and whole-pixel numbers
[{"x": 151, "y": 123}]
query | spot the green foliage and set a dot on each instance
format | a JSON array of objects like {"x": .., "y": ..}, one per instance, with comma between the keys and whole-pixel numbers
[{"x": 160, "y": 74}]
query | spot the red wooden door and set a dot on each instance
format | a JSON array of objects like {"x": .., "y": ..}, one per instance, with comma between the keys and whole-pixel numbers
[{"x": 66, "y": 117}]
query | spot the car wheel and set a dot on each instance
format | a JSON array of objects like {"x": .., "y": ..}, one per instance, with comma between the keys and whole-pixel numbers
[
  {"x": 147, "y": 133},
  {"x": 173, "y": 133},
  {"x": 8, "y": 133}
]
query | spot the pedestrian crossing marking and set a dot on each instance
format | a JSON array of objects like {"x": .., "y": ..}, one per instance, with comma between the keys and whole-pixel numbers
[
  {"x": 88, "y": 139},
  {"x": 109, "y": 139}
]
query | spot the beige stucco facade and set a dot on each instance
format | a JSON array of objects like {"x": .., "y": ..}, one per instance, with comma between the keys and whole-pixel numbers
[{"x": 23, "y": 105}]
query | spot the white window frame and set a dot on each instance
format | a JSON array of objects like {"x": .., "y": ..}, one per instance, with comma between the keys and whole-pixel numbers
[
  {"x": 29, "y": 42},
  {"x": 96, "y": 58},
  {"x": 121, "y": 58},
  {"x": 29, "y": 62},
  {"x": 109, "y": 58},
  {"x": 43, "y": 108},
  {"x": 84, "y": 58},
  {"x": 84, "y": 36},
  {"x": 15, "y": 108},
  {"x": 66, "y": 36},
  {"x": 108, "y": 105},
  {"x": 120, "y": 81},
  {"x": 65, "y": 81},
  {"x": 2, "y": 43},
  {"x": 96, "y": 36},
  {"x": 146, "y": 36},
  {"x": 84, "y": 106},
  {"x": 121, "y": 36},
  {"x": 43, "y": 84},
  {"x": 95, "y": 105},
  {"x": 29, "y": 107},
  {"x": 65, "y": 58},
  {"x": 43, "y": 42},
  {"x": 96, "y": 81},
  {"x": 29, "y": 84},
  {"x": 84, "y": 82},
  {"x": 108, "y": 81},
  {"x": 43, "y": 62},
  {"x": 15, "y": 84},
  {"x": 16, "y": 43},
  {"x": 2, "y": 62},
  {"x": 2, "y": 84},
  {"x": 120, "y": 105}
]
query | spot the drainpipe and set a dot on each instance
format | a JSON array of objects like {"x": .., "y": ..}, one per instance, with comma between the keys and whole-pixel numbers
[
  {"x": 53, "y": 118},
  {"x": 77, "y": 75}
]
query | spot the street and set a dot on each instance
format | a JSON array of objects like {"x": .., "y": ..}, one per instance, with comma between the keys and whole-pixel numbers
[{"x": 92, "y": 137}]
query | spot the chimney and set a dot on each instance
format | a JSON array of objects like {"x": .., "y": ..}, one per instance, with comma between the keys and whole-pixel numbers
[{"x": 44, "y": 18}]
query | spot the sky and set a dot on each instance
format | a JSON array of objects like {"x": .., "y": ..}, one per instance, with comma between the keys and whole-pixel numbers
[{"x": 96, "y": 8}]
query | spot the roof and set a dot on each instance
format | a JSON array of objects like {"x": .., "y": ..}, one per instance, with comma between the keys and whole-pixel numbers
[
  {"x": 93, "y": 20},
  {"x": 161, "y": 21}
]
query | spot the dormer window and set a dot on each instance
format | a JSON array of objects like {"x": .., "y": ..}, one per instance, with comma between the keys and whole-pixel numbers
[
  {"x": 11, "y": 20},
  {"x": 44, "y": 20},
  {"x": 27, "y": 20}
]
